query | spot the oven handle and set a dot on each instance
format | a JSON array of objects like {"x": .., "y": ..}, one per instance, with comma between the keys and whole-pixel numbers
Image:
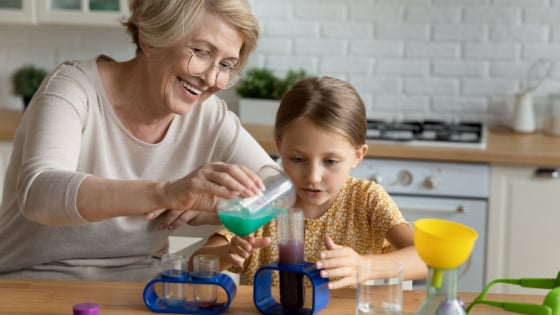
[{"x": 440, "y": 209}]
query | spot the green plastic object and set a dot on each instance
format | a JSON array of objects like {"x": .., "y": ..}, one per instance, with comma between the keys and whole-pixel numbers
[{"x": 550, "y": 305}]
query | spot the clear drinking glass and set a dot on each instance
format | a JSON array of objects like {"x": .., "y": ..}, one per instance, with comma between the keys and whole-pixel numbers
[
  {"x": 379, "y": 288},
  {"x": 552, "y": 120}
]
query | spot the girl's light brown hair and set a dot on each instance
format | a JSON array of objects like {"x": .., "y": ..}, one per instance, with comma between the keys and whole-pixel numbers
[
  {"x": 331, "y": 104},
  {"x": 162, "y": 23}
]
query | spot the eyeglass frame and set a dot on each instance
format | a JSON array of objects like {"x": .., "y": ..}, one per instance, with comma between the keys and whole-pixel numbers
[
  {"x": 524, "y": 308},
  {"x": 212, "y": 65}
]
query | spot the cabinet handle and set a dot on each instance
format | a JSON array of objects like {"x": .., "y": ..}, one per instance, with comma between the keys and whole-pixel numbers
[
  {"x": 547, "y": 172},
  {"x": 440, "y": 209}
]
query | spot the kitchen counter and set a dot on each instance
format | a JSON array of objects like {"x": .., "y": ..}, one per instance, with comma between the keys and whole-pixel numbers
[
  {"x": 9, "y": 120},
  {"x": 503, "y": 147}
]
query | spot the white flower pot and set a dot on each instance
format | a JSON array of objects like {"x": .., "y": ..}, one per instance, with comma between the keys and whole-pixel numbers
[{"x": 258, "y": 111}]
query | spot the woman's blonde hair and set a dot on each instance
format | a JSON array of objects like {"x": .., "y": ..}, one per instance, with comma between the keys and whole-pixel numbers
[
  {"x": 329, "y": 103},
  {"x": 161, "y": 23}
]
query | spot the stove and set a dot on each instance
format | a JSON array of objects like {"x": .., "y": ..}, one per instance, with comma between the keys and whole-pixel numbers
[
  {"x": 428, "y": 133},
  {"x": 444, "y": 190}
]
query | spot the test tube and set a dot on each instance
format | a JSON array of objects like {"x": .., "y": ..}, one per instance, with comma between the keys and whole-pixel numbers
[
  {"x": 205, "y": 266},
  {"x": 290, "y": 251},
  {"x": 172, "y": 266}
]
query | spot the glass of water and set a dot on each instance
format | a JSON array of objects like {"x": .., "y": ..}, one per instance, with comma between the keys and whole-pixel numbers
[{"x": 379, "y": 287}]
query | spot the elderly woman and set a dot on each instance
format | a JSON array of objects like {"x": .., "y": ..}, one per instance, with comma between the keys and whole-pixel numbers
[{"x": 110, "y": 156}]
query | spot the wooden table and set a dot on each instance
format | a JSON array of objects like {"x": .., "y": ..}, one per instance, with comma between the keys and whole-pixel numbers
[{"x": 54, "y": 297}]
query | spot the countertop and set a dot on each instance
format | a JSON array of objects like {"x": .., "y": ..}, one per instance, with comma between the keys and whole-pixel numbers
[
  {"x": 9, "y": 120},
  {"x": 125, "y": 298},
  {"x": 503, "y": 146}
]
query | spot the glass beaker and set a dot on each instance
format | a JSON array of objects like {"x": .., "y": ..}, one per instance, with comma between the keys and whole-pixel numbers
[
  {"x": 552, "y": 121},
  {"x": 243, "y": 216},
  {"x": 441, "y": 298},
  {"x": 289, "y": 227}
]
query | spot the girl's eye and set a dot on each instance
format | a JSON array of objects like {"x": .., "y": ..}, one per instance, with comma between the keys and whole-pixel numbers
[
  {"x": 296, "y": 159},
  {"x": 331, "y": 162}
]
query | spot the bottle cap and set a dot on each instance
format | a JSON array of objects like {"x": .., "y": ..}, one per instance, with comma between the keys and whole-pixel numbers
[{"x": 86, "y": 309}]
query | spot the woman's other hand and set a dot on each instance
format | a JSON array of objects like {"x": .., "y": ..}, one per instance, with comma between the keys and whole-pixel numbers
[{"x": 172, "y": 219}]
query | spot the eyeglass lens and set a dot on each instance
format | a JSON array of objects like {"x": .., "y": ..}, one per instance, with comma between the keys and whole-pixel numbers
[{"x": 199, "y": 66}]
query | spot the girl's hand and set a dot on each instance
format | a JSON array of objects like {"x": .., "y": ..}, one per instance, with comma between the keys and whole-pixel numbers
[
  {"x": 241, "y": 248},
  {"x": 339, "y": 264}
]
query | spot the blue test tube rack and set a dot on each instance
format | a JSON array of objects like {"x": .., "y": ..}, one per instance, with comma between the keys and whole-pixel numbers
[
  {"x": 267, "y": 304},
  {"x": 159, "y": 305}
]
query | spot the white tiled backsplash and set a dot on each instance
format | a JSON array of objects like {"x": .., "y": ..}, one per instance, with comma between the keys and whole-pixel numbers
[{"x": 462, "y": 59}]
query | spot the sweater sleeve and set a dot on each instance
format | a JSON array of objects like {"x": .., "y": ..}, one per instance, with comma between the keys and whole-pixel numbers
[{"x": 48, "y": 183}]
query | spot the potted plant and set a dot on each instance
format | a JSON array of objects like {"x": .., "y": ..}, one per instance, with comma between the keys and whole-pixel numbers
[
  {"x": 26, "y": 80},
  {"x": 260, "y": 91}
]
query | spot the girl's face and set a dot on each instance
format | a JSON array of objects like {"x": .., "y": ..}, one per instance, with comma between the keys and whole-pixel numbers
[
  {"x": 167, "y": 69},
  {"x": 318, "y": 162}
]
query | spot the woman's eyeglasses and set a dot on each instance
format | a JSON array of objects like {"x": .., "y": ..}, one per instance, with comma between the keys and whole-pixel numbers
[{"x": 202, "y": 61}]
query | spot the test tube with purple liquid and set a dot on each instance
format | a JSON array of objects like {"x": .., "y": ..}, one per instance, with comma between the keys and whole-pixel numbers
[{"x": 290, "y": 250}]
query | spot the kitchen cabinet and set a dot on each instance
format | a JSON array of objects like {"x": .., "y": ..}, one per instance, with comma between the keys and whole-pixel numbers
[
  {"x": 18, "y": 11},
  {"x": 5, "y": 152},
  {"x": 90, "y": 12},
  {"x": 75, "y": 12},
  {"x": 523, "y": 225}
]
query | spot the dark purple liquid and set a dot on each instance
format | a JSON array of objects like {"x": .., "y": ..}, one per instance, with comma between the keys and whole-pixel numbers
[
  {"x": 290, "y": 252},
  {"x": 292, "y": 288}
]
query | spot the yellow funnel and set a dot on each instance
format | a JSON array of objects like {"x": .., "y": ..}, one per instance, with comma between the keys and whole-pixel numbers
[{"x": 443, "y": 244}]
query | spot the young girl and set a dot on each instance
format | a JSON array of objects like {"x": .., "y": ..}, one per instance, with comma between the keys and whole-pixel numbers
[{"x": 320, "y": 134}]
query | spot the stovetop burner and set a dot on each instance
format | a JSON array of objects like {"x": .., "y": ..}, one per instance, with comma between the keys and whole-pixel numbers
[{"x": 428, "y": 132}]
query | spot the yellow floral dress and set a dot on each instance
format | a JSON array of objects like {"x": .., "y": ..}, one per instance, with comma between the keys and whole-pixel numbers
[{"x": 360, "y": 217}]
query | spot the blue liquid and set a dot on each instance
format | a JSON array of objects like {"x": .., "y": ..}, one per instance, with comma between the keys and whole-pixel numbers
[{"x": 243, "y": 222}]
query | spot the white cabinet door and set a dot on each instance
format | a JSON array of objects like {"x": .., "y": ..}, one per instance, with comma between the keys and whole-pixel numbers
[
  {"x": 18, "y": 11},
  {"x": 74, "y": 12},
  {"x": 84, "y": 12},
  {"x": 5, "y": 152},
  {"x": 524, "y": 214}
]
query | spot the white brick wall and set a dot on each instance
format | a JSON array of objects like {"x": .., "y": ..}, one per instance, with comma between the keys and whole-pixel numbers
[{"x": 407, "y": 58}]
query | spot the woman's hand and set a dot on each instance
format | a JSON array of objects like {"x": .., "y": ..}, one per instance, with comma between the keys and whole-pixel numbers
[
  {"x": 241, "y": 248},
  {"x": 339, "y": 264},
  {"x": 172, "y": 219},
  {"x": 198, "y": 192}
]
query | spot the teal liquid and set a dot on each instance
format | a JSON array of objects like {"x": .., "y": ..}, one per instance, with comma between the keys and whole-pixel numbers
[{"x": 243, "y": 222}]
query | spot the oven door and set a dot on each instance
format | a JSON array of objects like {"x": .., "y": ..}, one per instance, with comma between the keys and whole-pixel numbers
[{"x": 470, "y": 212}]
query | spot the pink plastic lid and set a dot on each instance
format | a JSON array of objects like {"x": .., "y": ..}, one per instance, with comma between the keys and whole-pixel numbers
[{"x": 86, "y": 309}]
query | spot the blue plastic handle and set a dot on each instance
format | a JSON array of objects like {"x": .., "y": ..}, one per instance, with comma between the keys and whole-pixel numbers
[
  {"x": 262, "y": 293},
  {"x": 158, "y": 305}
]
